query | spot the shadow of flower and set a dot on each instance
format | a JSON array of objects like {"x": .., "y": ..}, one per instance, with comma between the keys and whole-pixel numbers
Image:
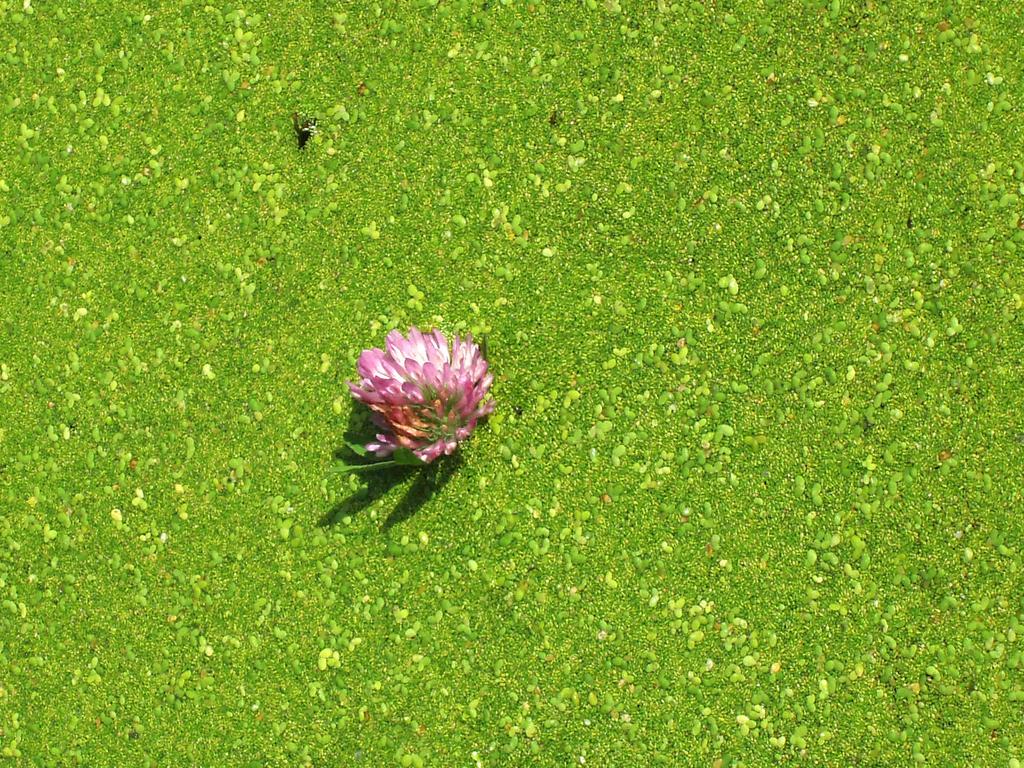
[{"x": 429, "y": 479}]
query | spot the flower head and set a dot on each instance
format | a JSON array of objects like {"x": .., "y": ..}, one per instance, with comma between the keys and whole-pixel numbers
[{"x": 425, "y": 395}]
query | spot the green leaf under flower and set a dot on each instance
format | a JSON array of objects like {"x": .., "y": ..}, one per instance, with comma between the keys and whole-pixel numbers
[
  {"x": 406, "y": 458},
  {"x": 402, "y": 457},
  {"x": 357, "y": 448}
]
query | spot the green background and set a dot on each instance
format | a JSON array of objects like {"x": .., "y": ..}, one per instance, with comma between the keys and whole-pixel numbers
[{"x": 751, "y": 278}]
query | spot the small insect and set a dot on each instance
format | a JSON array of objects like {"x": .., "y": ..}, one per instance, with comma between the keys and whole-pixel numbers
[
  {"x": 556, "y": 117},
  {"x": 517, "y": 409},
  {"x": 910, "y": 221},
  {"x": 305, "y": 128}
]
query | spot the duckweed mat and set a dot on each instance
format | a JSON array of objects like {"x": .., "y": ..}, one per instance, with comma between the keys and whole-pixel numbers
[{"x": 750, "y": 276}]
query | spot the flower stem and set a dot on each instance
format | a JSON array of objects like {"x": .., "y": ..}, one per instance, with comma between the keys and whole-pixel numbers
[{"x": 371, "y": 467}]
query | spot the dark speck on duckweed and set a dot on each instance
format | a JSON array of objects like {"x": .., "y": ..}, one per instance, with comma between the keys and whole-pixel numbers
[{"x": 305, "y": 128}]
